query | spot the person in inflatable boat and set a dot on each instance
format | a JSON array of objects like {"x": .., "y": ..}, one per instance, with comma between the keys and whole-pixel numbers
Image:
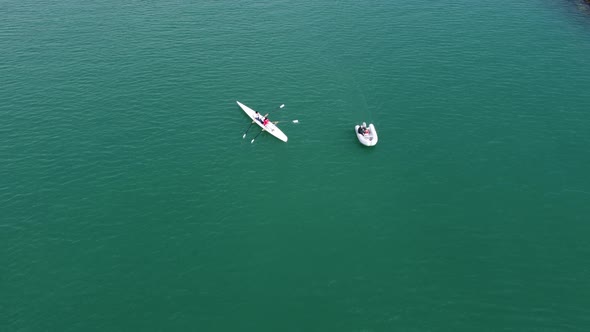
[{"x": 363, "y": 130}]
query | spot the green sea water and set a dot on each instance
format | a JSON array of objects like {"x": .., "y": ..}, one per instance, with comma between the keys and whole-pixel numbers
[{"x": 130, "y": 202}]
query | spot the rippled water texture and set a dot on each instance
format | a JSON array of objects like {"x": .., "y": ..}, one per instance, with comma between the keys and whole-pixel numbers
[{"x": 130, "y": 202}]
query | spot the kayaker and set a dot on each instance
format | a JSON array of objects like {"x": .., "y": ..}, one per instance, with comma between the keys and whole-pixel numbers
[
  {"x": 265, "y": 122},
  {"x": 257, "y": 116}
]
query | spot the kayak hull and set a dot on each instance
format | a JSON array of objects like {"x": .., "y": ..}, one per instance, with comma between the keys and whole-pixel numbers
[
  {"x": 367, "y": 139},
  {"x": 270, "y": 127}
]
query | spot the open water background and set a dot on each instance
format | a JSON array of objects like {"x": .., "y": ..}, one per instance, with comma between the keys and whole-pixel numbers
[{"x": 130, "y": 202}]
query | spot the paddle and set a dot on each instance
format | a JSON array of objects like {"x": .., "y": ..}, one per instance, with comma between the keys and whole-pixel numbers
[
  {"x": 244, "y": 136},
  {"x": 294, "y": 121},
  {"x": 282, "y": 105},
  {"x": 264, "y": 117},
  {"x": 252, "y": 141}
]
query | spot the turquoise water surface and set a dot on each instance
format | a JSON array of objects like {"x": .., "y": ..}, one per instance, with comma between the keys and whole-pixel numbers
[{"x": 130, "y": 202}]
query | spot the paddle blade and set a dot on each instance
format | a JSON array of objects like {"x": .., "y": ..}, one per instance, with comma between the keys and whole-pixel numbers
[
  {"x": 295, "y": 121},
  {"x": 244, "y": 136},
  {"x": 283, "y": 105},
  {"x": 252, "y": 141}
]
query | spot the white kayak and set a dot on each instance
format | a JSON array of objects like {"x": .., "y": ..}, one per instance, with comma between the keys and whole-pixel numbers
[
  {"x": 258, "y": 119},
  {"x": 367, "y": 137}
]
